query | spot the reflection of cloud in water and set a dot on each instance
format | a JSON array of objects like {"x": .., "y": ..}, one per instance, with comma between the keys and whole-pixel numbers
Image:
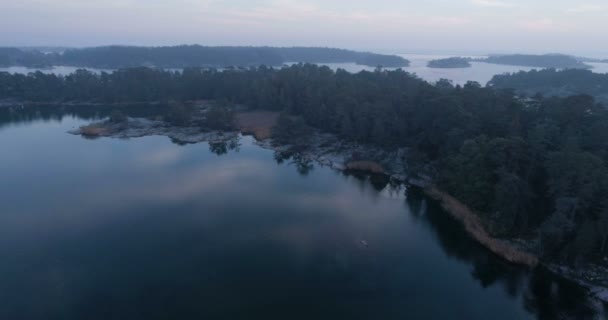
[
  {"x": 342, "y": 218},
  {"x": 189, "y": 183},
  {"x": 133, "y": 195},
  {"x": 160, "y": 158}
]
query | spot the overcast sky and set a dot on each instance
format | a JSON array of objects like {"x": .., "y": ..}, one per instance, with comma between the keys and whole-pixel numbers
[{"x": 400, "y": 26}]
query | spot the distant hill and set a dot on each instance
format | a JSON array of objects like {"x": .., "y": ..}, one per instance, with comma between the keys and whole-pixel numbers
[
  {"x": 551, "y": 82},
  {"x": 587, "y": 59},
  {"x": 557, "y": 61},
  {"x": 454, "y": 62},
  {"x": 330, "y": 55},
  {"x": 114, "y": 57},
  {"x": 26, "y": 58}
]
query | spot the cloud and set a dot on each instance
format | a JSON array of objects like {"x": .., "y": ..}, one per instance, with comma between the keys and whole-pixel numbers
[
  {"x": 382, "y": 24},
  {"x": 543, "y": 24},
  {"x": 292, "y": 12},
  {"x": 159, "y": 158},
  {"x": 493, "y": 3},
  {"x": 586, "y": 8}
]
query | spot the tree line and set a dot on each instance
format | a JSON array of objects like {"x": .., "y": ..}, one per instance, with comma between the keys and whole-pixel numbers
[
  {"x": 552, "y": 82},
  {"x": 559, "y": 61},
  {"x": 453, "y": 62},
  {"x": 533, "y": 168},
  {"x": 115, "y": 57}
]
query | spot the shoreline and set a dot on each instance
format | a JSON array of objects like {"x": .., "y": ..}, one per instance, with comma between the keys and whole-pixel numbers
[
  {"x": 475, "y": 228},
  {"x": 329, "y": 151}
]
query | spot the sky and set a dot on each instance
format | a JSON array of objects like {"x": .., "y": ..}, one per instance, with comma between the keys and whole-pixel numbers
[{"x": 391, "y": 26}]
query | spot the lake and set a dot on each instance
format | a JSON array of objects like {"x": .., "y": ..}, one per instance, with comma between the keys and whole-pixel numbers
[
  {"x": 479, "y": 71},
  {"x": 153, "y": 229}
]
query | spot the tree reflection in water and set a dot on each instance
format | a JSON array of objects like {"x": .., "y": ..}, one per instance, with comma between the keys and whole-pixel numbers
[
  {"x": 544, "y": 294},
  {"x": 223, "y": 147},
  {"x": 303, "y": 164}
]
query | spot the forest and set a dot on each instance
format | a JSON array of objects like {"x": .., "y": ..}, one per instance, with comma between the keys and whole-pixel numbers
[
  {"x": 557, "y": 61},
  {"x": 551, "y": 82},
  {"x": 532, "y": 168},
  {"x": 26, "y": 58},
  {"x": 115, "y": 57},
  {"x": 454, "y": 62}
]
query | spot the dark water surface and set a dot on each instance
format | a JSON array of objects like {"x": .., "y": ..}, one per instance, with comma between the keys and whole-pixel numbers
[{"x": 149, "y": 229}]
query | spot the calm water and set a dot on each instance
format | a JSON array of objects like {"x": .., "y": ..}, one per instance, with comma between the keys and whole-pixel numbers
[
  {"x": 150, "y": 229},
  {"x": 479, "y": 72},
  {"x": 59, "y": 70}
]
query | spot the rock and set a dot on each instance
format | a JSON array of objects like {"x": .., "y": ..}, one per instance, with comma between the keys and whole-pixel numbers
[{"x": 140, "y": 127}]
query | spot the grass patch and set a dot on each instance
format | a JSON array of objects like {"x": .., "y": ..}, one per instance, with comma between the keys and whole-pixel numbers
[{"x": 257, "y": 123}]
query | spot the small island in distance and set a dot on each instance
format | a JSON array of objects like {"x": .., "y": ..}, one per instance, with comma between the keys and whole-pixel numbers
[
  {"x": 544, "y": 61},
  {"x": 184, "y": 56},
  {"x": 557, "y": 61},
  {"x": 454, "y": 62},
  {"x": 552, "y": 82}
]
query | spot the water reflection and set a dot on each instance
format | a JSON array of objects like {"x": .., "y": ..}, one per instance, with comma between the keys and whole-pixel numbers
[
  {"x": 303, "y": 164},
  {"x": 542, "y": 293},
  {"x": 223, "y": 147},
  {"x": 547, "y": 296},
  {"x": 145, "y": 229},
  {"x": 18, "y": 114}
]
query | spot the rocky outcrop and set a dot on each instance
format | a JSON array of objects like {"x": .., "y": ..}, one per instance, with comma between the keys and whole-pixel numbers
[{"x": 141, "y": 127}]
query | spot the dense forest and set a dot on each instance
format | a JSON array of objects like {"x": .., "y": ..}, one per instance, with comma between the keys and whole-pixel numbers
[
  {"x": 535, "y": 168},
  {"x": 551, "y": 82},
  {"x": 115, "y": 57},
  {"x": 26, "y": 58},
  {"x": 557, "y": 61},
  {"x": 454, "y": 62}
]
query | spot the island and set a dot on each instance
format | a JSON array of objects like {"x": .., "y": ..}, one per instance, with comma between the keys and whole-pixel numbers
[
  {"x": 494, "y": 159},
  {"x": 551, "y": 82},
  {"x": 178, "y": 57},
  {"x": 454, "y": 62},
  {"x": 557, "y": 61},
  {"x": 26, "y": 58}
]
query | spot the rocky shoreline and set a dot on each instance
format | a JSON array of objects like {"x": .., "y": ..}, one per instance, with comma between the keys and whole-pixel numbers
[
  {"x": 141, "y": 127},
  {"x": 328, "y": 150},
  {"x": 322, "y": 148}
]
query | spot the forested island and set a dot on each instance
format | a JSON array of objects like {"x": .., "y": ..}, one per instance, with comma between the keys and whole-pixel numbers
[
  {"x": 557, "y": 61},
  {"x": 115, "y": 57},
  {"x": 27, "y": 58},
  {"x": 551, "y": 82},
  {"x": 454, "y": 62},
  {"x": 533, "y": 169}
]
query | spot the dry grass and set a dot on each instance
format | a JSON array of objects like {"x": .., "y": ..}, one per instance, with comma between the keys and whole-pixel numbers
[
  {"x": 93, "y": 131},
  {"x": 368, "y": 166},
  {"x": 257, "y": 123},
  {"x": 475, "y": 228}
]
